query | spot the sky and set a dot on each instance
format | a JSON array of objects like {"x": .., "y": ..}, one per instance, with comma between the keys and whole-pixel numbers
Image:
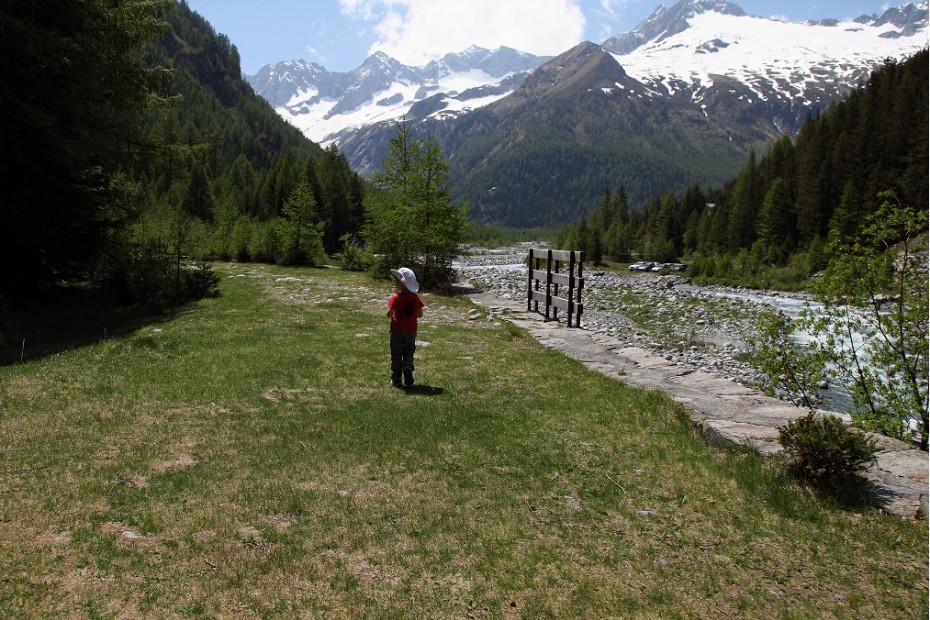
[{"x": 340, "y": 34}]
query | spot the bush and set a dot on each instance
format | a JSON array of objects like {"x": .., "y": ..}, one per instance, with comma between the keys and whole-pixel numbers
[
  {"x": 241, "y": 239},
  {"x": 353, "y": 256},
  {"x": 199, "y": 281},
  {"x": 136, "y": 274},
  {"x": 822, "y": 449}
]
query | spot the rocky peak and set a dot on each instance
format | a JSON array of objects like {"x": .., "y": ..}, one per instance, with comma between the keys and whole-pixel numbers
[
  {"x": 665, "y": 22},
  {"x": 910, "y": 17},
  {"x": 585, "y": 66}
]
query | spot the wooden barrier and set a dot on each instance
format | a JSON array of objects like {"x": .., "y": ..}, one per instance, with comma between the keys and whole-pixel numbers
[{"x": 553, "y": 277}]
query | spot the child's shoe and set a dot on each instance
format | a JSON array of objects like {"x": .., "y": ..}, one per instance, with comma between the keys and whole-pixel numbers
[{"x": 408, "y": 378}]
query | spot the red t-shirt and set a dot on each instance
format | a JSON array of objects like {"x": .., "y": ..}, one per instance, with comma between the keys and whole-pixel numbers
[{"x": 405, "y": 307}]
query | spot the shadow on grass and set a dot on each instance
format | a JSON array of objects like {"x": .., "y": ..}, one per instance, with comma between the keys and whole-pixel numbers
[
  {"x": 66, "y": 318},
  {"x": 424, "y": 390},
  {"x": 849, "y": 492},
  {"x": 768, "y": 478}
]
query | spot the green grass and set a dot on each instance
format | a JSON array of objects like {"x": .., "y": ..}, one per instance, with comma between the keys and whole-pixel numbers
[{"x": 248, "y": 457}]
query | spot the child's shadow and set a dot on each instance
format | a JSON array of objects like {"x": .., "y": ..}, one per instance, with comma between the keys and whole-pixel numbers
[{"x": 425, "y": 390}]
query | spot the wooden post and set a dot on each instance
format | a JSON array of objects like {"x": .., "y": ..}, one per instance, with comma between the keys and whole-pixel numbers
[
  {"x": 529, "y": 285},
  {"x": 571, "y": 287},
  {"x": 579, "y": 307},
  {"x": 555, "y": 285},
  {"x": 548, "y": 283}
]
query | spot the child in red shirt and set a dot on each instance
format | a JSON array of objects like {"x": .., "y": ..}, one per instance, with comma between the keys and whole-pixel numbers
[{"x": 404, "y": 308}]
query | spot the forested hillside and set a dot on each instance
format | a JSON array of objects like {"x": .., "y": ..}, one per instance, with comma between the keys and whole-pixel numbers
[
  {"x": 251, "y": 160},
  {"x": 133, "y": 147},
  {"x": 558, "y": 141},
  {"x": 781, "y": 208}
]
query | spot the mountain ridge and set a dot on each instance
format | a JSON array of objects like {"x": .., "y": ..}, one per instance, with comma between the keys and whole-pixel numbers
[{"x": 701, "y": 61}]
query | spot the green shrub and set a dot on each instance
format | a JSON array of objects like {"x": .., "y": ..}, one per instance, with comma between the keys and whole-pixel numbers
[
  {"x": 242, "y": 233},
  {"x": 824, "y": 450},
  {"x": 198, "y": 281},
  {"x": 354, "y": 257},
  {"x": 147, "y": 275}
]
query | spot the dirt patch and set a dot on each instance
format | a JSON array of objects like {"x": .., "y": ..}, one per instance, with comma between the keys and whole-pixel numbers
[
  {"x": 279, "y": 522},
  {"x": 180, "y": 462},
  {"x": 278, "y": 394}
]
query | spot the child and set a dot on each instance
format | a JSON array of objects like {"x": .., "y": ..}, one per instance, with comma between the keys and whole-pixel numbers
[{"x": 404, "y": 308}]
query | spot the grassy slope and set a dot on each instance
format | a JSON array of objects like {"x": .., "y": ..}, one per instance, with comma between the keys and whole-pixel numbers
[{"x": 248, "y": 457}]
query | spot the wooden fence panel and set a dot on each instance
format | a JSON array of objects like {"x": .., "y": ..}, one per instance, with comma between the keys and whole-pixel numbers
[{"x": 543, "y": 283}]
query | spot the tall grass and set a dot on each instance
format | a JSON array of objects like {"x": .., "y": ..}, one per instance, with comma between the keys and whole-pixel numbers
[{"x": 248, "y": 457}]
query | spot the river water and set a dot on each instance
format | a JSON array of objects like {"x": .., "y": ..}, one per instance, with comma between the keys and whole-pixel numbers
[{"x": 835, "y": 397}]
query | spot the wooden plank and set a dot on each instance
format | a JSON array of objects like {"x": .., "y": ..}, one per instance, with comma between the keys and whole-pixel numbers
[
  {"x": 538, "y": 296},
  {"x": 562, "y": 255},
  {"x": 559, "y": 302},
  {"x": 538, "y": 274}
]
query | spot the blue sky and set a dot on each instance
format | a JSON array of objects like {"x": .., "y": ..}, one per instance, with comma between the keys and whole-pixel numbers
[{"x": 340, "y": 34}]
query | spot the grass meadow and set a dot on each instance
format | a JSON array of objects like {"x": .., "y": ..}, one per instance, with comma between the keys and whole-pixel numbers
[{"x": 247, "y": 457}]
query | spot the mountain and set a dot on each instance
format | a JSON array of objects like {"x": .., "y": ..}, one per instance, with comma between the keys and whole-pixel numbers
[
  {"x": 326, "y": 106},
  {"x": 792, "y": 69},
  {"x": 682, "y": 99},
  {"x": 578, "y": 126},
  {"x": 781, "y": 207}
]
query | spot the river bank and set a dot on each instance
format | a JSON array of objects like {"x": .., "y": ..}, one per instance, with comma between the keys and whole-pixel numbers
[
  {"x": 633, "y": 328},
  {"x": 693, "y": 327}
]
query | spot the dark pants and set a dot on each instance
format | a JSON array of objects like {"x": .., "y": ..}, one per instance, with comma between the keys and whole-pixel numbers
[{"x": 403, "y": 344}]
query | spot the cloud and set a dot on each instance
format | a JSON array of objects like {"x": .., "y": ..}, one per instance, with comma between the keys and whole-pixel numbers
[
  {"x": 613, "y": 8},
  {"x": 417, "y": 31}
]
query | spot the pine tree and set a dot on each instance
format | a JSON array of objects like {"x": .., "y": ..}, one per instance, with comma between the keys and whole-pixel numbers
[
  {"x": 846, "y": 218},
  {"x": 412, "y": 221},
  {"x": 743, "y": 207},
  {"x": 198, "y": 201},
  {"x": 302, "y": 230},
  {"x": 810, "y": 189},
  {"x": 339, "y": 213},
  {"x": 72, "y": 91},
  {"x": 776, "y": 222}
]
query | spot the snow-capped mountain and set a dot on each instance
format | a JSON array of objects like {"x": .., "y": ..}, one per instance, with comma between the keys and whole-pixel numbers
[
  {"x": 684, "y": 50},
  {"x": 325, "y": 104},
  {"x": 683, "y": 99},
  {"x": 681, "y": 50}
]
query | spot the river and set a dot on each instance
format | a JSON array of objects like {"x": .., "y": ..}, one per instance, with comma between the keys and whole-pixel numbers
[{"x": 672, "y": 315}]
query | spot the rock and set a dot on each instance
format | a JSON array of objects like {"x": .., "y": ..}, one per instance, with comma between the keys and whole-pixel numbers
[{"x": 573, "y": 502}]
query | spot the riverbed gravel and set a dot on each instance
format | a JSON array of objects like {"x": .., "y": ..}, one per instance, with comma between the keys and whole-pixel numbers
[{"x": 695, "y": 327}]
